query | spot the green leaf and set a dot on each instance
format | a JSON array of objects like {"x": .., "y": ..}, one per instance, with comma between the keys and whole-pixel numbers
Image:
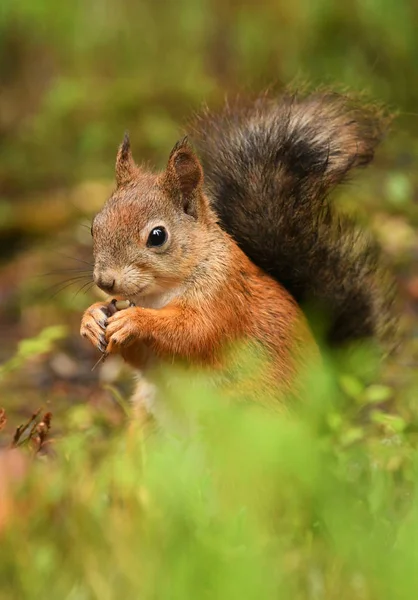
[
  {"x": 377, "y": 393},
  {"x": 351, "y": 386}
]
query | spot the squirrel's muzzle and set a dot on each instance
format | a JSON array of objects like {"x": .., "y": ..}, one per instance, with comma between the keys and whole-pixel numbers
[{"x": 105, "y": 281}]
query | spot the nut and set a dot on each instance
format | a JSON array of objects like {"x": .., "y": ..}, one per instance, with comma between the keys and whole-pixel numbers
[{"x": 122, "y": 304}]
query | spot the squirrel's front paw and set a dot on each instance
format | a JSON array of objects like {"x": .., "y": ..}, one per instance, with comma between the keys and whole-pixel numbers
[
  {"x": 93, "y": 324},
  {"x": 122, "y": 329}
]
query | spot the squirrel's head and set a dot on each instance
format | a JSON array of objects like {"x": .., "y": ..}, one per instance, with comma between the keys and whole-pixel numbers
[{"x": 151, "y": 233}]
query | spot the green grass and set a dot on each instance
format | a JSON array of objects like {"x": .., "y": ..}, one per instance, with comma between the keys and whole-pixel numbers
[{"x": 224, "y": 502}]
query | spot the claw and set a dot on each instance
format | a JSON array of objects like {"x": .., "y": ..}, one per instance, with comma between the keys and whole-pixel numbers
[
  {"x": 102, "y": 346},
  {"x": 102, "y": 324}
]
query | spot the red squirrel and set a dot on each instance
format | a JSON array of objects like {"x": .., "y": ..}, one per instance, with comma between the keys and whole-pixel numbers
[{"x": 222, "y": 248}]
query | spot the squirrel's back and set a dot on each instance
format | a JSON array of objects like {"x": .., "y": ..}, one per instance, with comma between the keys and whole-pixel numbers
[{"x": 269, "y": 166}]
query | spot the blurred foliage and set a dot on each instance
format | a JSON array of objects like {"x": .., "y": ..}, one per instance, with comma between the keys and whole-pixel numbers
[
  {"x": 225, "y": 502},
  {"x": 73, "y": 79},
  {"x": 233, "y": 502},
  {"x": 33, "y": 347}
]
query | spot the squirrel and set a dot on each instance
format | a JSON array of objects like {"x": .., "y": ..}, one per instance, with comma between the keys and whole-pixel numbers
[{"x": 226, "y": 245}]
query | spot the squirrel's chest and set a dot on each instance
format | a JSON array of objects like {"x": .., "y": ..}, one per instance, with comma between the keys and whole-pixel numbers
[
  {"x": 153, "y": 387},
  {"x": 158, "y": 384}
]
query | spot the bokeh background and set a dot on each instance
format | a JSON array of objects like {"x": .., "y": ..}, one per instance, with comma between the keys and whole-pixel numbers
[
  {"x": 75, "y": 75},
  {"x": 311, "y": 506}
]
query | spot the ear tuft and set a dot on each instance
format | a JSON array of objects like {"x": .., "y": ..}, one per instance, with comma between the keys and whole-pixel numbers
[
  {"x": 125, "y": 164},
  {"x": 126, "y": 145},
  {"x": 186, "y": 167},
  {"x": 181, "y": 144}
]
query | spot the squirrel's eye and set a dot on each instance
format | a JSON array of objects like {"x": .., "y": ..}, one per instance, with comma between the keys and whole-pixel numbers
[{"x": 157, "y": 237}]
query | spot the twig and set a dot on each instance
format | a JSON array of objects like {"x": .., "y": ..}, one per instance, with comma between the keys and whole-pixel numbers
[{"x": 101, "y": 360}]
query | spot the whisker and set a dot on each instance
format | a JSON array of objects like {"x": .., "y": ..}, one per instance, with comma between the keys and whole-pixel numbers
[
  {"x": 77, "y": 278},
  {"x": 63, "y": 272},
  {"x": 61, "y": 285},
  {"x": 76, "y": 259},
  {"x": 63, "y": 288},
  {"x": 89, "y": 288},
  {"x": 82, "y": 287}
]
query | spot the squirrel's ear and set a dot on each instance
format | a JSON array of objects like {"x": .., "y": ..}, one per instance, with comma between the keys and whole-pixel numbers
[
  {"x": 126, "y": 168},
  {"x": 185, "y": 172}
]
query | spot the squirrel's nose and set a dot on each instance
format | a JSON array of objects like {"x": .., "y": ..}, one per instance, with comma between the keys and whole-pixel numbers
[{"x": 104, "y": 281}]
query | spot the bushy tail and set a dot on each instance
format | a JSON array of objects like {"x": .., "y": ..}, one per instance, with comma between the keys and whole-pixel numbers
[{"x": 270, "y": 166}]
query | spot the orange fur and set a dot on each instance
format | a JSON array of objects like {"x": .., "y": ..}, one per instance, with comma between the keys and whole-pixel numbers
[{"x": 199, "y": 298}]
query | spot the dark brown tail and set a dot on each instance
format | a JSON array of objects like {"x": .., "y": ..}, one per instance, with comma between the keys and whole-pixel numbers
[{"x": 269, "y": 168}]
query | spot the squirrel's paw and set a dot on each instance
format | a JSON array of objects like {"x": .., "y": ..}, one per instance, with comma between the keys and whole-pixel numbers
[
  {"x": 94, "y": 322},
  {"x": 122, "y": 330}
]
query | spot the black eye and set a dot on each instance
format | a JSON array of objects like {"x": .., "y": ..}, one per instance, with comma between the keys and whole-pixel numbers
[{"x": 157, "y": 237}]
